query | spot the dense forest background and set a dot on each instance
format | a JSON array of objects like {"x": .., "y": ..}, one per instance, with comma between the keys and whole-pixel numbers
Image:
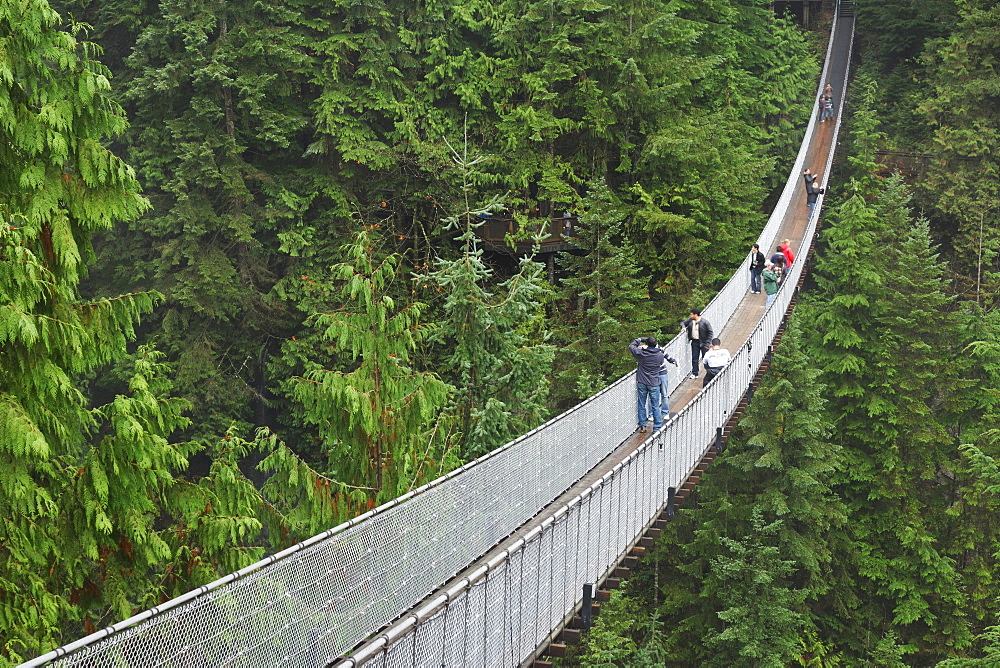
[{"x": 243, "y": 298}]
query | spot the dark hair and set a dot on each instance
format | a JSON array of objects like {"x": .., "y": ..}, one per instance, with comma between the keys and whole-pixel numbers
[
  {"x": 696, "y": 311},
  {"x": 757, "y": 246},
  {"x": 651, "y": 341},
  {"x": 716, "y": 342},
  {"x": 778, "y": 250}
]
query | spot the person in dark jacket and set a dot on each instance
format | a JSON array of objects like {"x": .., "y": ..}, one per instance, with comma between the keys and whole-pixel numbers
[
  {"x": 778, "y": 260},
  {"x": 649, "y": 359},
  {"x": 756, "y": 266},
  {"x": 699, "y": 333},
  {"x": 812, "y": 191},
  {"x": 808, "y": 177}
]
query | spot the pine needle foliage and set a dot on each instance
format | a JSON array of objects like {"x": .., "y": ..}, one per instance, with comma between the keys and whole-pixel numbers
[
  {"x": 893, "y": 366},
  {"x": 963, "y": 110},
  {"x": 490, "y": 334},
  {"x": 58, "y": 185},
  {"x": 766, "y": 528},
  {"x": 378, "y": 417}
]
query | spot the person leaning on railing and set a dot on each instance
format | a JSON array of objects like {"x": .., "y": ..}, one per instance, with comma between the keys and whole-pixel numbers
[{"x": 716, "y": 360}]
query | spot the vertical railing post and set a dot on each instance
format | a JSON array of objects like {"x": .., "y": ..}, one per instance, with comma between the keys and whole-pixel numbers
[
  {"x": 588, "y": 606},
  {"x": 719, "y": 445},
  {"x": 671, "y": 492}
]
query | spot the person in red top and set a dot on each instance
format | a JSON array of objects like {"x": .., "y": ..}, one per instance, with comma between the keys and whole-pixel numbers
[{"x": 786, "y": 250}]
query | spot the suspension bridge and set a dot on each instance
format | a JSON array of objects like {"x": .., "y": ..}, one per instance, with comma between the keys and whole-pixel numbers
[{"x": 493, "y": 564}]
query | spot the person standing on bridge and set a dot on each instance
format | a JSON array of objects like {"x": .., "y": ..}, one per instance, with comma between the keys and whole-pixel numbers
[
  {"x": 786, "y": 250},
  {"x": 808, "y": 177},
  {"x": 812, "y": 191},
  {"x": 664, "y": 389},
  {"x": 649, "y": 359},
  {"x": 779, "y": 260},
  {"x": 716, "y": 360},
  {"x": 700, "y": 334},
  {"x": 756, "y": 266},
  {"x": 825, "y": 108},
  {"x": 770, "y": 283}
]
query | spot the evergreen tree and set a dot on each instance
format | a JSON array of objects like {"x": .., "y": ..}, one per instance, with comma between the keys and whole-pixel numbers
[
  {"x": 379, "y": 420},
  {"x": 215, "y": 92},
  {"x": 94, "y": 519},
  {"x": 58, "y": 185},
  {"x": 976, "y": 538},
  {"x": 963, "y": 179},
  {"x": 768, "y": 508},
  {"x": 892, "y": 365},
  {"x": 493, "y": 339},
  {"x": 749, "y": 579}
]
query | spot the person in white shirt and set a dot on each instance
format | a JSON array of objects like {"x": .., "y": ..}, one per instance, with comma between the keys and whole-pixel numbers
[{"x": 715, "y": 360}]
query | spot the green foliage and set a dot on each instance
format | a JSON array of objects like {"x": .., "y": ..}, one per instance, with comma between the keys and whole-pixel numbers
[
  {"x": 215, "y": 94},
  {"x": 989, "y": 642},
  {"x": 964, "y": 177},
  {"x": 767, "y": 525},
  {"x": 749, "y": 580},
  {"x": 893, "y": 366},
  {"x": 493, "y": 347},
  {"x": 603, "y": 301},
  {"x": 379, "y": 419}
]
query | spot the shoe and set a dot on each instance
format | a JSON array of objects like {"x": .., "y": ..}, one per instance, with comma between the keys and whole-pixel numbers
[
  {"x": 692, "y": 375},
  {"x": 642, "y": 428},
  {"x": 649, "y": 419}
]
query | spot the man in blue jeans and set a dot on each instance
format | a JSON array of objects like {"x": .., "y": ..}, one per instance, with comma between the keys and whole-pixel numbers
[{"x": 648, "y": 358}]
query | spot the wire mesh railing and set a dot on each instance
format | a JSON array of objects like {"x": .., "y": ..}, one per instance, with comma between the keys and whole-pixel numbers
[{"x": 312, "y": 603}]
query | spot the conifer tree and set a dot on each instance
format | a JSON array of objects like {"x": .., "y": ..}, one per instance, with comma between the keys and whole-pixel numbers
[
  {"x": 492, "y": 339},
  {"x": 964, "y": 177},
  {"x": 91, "y": 520},
  {"x": 976, "y": 506},
  {"x": 892, "y": 364},
  {"x": 768, "y": 504},
  {"x": 58, "y": 185},
  {"x": 750, "y": 581},
  {"x": 380, "y": 420},
  {"x": 215, "y": 92}
]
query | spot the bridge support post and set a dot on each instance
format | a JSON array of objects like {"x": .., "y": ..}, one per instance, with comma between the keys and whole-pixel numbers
[
  {"x": 671, "y": 492},
  {"x": 588, "y": 606},
  {"x": 750, "y": 392},
  {"x": 719, "y": 446}
]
